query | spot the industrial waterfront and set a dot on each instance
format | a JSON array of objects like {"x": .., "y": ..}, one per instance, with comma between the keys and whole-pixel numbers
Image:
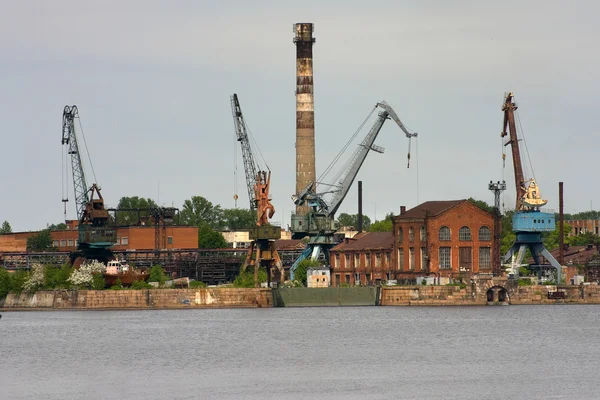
[{"x": 528, "y": 352}]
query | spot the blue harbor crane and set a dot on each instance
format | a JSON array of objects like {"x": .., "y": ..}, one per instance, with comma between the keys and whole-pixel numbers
[
  {"x": 528, "y": 221},
  {"x": 95, "y": 235},
  {"x": 319, "y": 224}
]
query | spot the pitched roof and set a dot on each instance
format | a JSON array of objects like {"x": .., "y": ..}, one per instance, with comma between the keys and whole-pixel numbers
[
  {"x": 289, "y": 244},
  {"x": 575, "y": 255},
  {"x": 433, "y": 208},
  {"x": 367, "y": 241}
]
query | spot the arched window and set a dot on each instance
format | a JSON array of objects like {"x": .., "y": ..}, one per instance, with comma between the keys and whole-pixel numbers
[
  {"x": 423, "y": 234},
  {"x": 400, "y": 235},
  {"x": 411, "y": 234},
  {"x": 444, "y": 233},
  {"x": 485, "y": 234},
  {"x": 464, "y": 233}
]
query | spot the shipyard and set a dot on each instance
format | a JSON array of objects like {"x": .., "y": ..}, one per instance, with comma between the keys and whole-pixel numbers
[{"x": 320, "y": 183}]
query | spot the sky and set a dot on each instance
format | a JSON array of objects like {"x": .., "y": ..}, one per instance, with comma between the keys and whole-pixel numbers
[{"x": 153, "y": 79}]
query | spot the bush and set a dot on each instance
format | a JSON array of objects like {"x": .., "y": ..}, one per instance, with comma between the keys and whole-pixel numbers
[
  {"x": 117, "y": 286},
  {"x": 246, "y": 279},
  {"x": 57, "y": 277},
  {"x": 139, "y": 285},
  {"x": 98, "y": 282},
  {"x": 157, "y": 274},
  {"x": 524, "y": 282},
  {"x": 12, "y": 282},
  {"x": 36, "y": 278},
  {"x": 197, "y": 285}
]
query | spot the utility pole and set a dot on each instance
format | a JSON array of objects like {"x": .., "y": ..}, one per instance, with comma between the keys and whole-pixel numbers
[{"x": 497, "y": 188}]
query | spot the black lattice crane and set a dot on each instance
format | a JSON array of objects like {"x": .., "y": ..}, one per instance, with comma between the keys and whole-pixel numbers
[{"x": 95, "y": 234}]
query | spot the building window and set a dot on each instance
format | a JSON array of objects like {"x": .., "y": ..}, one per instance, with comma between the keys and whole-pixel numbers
[
  {"x": 347, "y": 277},
  {"x": 357, "y": 261},
  {"x": 423, "y": 258},
  {"x": 485, "y": 258},
  {"x": 423, "y": 234},
  {"x": 401, "y": 235},
  {"x": 336, "y": 262},
  {"x": 169, "y": 239},
  {"x": 444, "y": 233},
  {"x": 387, "y": 259},
  {"x": 367, "y": 260},
  {"x": 357, "y": 278},
  {"x": 411, "y": 234},
  {"x": 411, "y": 261},
  {"x": 347, "y": 260},
  {"x": 485, "y": 234},
  {"x": 464, "y": 233},
  {"x": 63, "y": 243},
  {"x": 445, "y": 258},
  {"x": 55, "y": 243},
  {"x": 401, "y": 259},
  {"x": 124, "y": 240},
  {"x": 71, "y": 243},
  {"x": 377, "y": 260}
]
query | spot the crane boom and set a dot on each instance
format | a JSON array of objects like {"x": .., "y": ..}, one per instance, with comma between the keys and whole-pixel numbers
[
  {"x": 361, "y": 153},
  {"x": 69, "y": 138},
  {"x": 241, "y": 131},
  {"x": 509, "y": 108}
]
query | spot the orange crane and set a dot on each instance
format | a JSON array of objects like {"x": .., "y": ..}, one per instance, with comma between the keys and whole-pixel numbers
[{"x": 262, "y": 251}]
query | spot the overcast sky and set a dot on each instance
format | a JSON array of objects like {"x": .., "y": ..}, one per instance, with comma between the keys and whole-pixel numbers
[{"x": 152, "y": 80}]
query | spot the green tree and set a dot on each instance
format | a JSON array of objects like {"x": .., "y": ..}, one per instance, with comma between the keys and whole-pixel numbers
[
  {"x": 6, "y": 228},
  {"x": 198, "y": 210},
  {"x": 208, "y": 238},
  {"x": 352, "y": 220},
  {"x": 58, "y": 227},
  {"x": 385, "y": 225},
  {"x": 507, "y": 236},
  {"x": 140, "y": 204},
  {"x": 593, "y": 214},
  {"x": 481, "y": 204},
  {"x": 303, "y": 266},
  {"x": 582, "y": 239},
  {"x": 238, "y": 218},
  {"x": 552, "y": 239},
  {"x": 41, "y": 241},
  {"x": 157, "y": 274}
]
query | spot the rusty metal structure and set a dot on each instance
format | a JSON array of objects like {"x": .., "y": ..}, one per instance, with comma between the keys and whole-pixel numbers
[
  {"x": 497, "y": 188},
  {"x": 162, "y": 217},
  {"x": 95, "y": 234},
  {"x": 305, "y": 110},
  {"x": 262, "y": 250}
]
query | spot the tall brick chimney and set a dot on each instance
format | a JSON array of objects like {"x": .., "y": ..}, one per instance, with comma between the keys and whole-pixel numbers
[{"x": 402, "y": 209}]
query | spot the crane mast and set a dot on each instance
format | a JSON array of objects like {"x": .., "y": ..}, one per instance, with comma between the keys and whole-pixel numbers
[
  {"x": 241, "y": 131},
  {"x": 69, "y": 138}
]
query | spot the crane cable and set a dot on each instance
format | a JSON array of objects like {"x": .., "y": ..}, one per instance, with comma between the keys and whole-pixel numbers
[
  {"x": 87, "y": 151},
  {"x": 235, "y": 167},
  {"x": 338, "y": 156},
  {"x": 525, "y": 143}
]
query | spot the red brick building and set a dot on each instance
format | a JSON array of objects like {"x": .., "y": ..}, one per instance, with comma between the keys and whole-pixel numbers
[
  {"x": 128, "y": 238},
  {"x": 365, "y": 259},
  {"x": 444, "y": 239}
]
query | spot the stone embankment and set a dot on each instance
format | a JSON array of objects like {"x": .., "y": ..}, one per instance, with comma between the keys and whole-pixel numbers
[
  {"x": 496, "y": 291},
  {"x": 140, "y": 299}
]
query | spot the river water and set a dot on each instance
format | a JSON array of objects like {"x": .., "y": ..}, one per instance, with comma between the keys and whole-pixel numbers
[{"x": 514, "y": 352}]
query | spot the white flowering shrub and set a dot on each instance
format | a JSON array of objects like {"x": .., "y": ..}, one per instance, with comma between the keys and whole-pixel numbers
[
  {"x": 36, "y": 278},
  {"x": 84, "y": 276}
]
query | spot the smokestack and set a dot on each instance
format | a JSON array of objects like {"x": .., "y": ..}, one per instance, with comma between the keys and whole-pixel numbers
[
  {"x": 305, "y": 110},
  {"x": 402, "y": 209},
  {"x": 561, "y": 225},
  {"x": 360, "y": 216}
]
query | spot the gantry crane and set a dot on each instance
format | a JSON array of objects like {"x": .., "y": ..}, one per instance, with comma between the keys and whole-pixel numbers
[
  {"x": 95, "y": 234},
  {"x": 528, "y": 221},
  {"x": 319, "y": 224},
  {"x": 262, "y": 250}
]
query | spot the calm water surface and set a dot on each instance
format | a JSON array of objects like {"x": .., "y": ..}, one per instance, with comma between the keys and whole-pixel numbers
[{"x": 515, "y": 352}]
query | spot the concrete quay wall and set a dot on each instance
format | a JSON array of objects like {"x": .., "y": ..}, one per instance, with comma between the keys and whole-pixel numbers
[
  {"x": 141, "y": 299},
  {"x": 477, "y": 294}
]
